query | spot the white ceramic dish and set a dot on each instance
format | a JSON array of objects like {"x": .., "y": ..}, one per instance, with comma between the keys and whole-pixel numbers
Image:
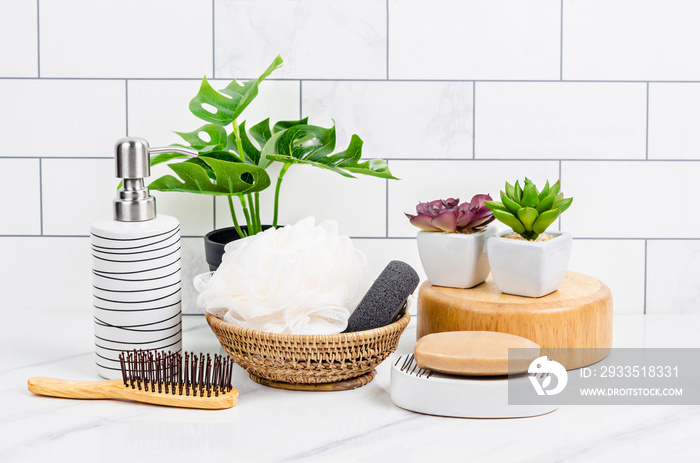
[{"x": 432, "y": 393}]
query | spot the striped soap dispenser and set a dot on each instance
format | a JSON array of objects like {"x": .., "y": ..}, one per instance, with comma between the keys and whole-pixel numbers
[{"x": 137, "y": 298}]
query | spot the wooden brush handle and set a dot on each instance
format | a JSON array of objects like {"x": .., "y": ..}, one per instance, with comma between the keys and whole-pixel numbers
[
  {"x": 75, "y": 389},
  {"x": 115, "y": 389}
]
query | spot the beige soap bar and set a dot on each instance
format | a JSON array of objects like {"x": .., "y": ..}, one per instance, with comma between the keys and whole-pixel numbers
[{"x": 474, "y": 353}]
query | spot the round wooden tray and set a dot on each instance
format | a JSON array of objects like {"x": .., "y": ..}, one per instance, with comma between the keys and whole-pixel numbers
[{"x": 577, "y": 315}]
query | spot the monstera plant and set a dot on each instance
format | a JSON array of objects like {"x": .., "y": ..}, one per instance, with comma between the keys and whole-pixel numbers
[{"x": 232, "y": 159}]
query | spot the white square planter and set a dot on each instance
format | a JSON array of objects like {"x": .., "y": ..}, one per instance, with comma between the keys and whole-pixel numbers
[
  {"x": 454, "y": 259},
  {"x": 529, "y": 268}
]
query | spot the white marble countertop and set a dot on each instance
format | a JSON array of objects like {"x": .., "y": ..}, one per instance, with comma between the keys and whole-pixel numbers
[{"x": 277, "y": 425}]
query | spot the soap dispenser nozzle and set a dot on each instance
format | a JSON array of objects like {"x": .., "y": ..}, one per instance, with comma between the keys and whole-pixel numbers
[{"x": 132, "y": 158}]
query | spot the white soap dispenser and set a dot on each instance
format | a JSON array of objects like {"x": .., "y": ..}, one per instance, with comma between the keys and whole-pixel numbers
[{"x": 136, "y": 278}]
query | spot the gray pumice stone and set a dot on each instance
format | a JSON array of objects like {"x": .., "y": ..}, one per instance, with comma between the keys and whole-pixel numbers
[{"x": 385, "y": 299}]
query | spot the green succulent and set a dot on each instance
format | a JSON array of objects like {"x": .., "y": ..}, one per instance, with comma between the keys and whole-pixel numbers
[{"x": 528, "y": 211}]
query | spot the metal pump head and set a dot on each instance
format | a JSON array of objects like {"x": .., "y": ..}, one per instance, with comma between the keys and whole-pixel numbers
[{"x": 132, "y": 164}]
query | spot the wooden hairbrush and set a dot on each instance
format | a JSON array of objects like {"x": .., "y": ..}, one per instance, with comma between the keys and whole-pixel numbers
[{"x": 155, "y": 378}]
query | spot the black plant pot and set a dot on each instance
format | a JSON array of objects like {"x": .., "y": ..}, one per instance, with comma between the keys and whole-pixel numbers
[{"x": 215, "y": 242}]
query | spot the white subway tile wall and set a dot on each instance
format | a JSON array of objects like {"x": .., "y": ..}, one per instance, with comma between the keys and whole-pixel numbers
[
  {"x": 474, "y": 39},
  {"x": 631, "y": 40},
  {"x": 619, "y": 264},
  {"x": 195, "y": 212},
  {"x": 46, "y": 273},
  {"x": 532, "y": 120},
  {"x": 674, "y": 118},
  {"x": 61, "y": 118},
  {"x": 76, "y": 192},
  {"x": 125, "y": 38},
  {"x": 459, "y": 96},
  {"x": 18, "y": 38},
  {"x": 631, "y": 199},
  {"x": 20, "y": 185},
  {"x": 428, "y": 119},
  {"x": 358, "y": 205},
  {"x": 673, "y": 269},
  {"x": 343, "y": 39}
]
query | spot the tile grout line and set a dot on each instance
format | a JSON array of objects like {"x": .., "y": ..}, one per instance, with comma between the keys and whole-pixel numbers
[
  {"x": 631, "y": 238},
  {"x": 674, "y": 160},
  {"x": 38, "y": 41},
  {"x": 474, "y": 120},
  {"x": 213, "y": 39},
  {"x": 386, "y": 205},
  {"x": 561, "y": 40},
  {"x": 41, "y": 198},
  {"x": 56, "y": 157},
  {"x": 312, "y": 79},
  {"x": 647, "y": 126},
  {"x": 300, "y": 100},
  {"x": 76, "y": 236},
  {"x": 542, "y": 160},
  {"x": 559, "y": 218},
  {"x": 645, "y": 277},
  {"x": 387, "y": 39},
  {"x": 382, "y": 238},
  {"x": 126, "y": 103},
  {"x": 560, "y": 170},
  {"x": 426, "y": 159}
]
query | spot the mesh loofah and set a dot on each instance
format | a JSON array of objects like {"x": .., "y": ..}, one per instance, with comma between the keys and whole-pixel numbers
[{"x": 300, "y": 279}]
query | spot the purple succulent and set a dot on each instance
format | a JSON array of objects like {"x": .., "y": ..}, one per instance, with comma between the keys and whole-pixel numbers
[{"x": 447, "y": 215}]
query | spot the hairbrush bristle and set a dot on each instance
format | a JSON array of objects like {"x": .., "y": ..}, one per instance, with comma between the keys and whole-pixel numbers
[{"x": 166, "y": 373}]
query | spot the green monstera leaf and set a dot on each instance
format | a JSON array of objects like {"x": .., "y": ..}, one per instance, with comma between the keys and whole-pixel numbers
[
  {"x": 251, "y": 154},
  {"x": 213, "y": 174},
  {"x": 165, "y": 157},
  {"x": 261, "y": 133},
  {"x": 216, "y": 134},
  {"x": 232, "y": 159},
  {"x": 224, "y": 156},
  {"x": 229, "y": 102},
  {"x": 313, "y": 145}
]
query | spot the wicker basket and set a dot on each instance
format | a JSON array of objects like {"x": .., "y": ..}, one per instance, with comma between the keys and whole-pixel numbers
[{"x": 308, "y": 359}]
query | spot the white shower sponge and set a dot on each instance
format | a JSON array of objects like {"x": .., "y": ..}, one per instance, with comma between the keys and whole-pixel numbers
[{"x": 300, "y": 279}]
